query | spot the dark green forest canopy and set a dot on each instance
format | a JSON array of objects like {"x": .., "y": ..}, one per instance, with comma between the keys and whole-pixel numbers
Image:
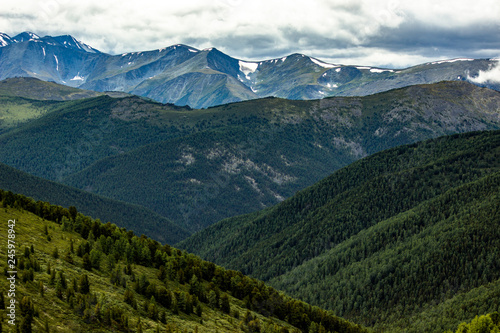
[
  {"x": 196, "y": 167},
  {"x": 390, "y": 220},
  {"x": 126, "y": 215}
]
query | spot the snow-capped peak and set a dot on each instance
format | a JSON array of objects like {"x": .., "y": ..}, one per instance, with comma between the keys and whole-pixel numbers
[
  {"x": 71, "y": 42},
  {"x": 25, "y": 36},
  {"x": 5, "y": 39}
]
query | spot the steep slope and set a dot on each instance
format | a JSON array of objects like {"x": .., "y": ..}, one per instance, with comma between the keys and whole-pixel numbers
[
  {"x": 183, "y": 75},
  {"x": 75, "y": 274},
  {"x": 207, "y": 79},
  {"x": 123, "y": 214},
  {"x": 75, "y": 134},
  {"x": 396, "y": 233},
  {"x": 269, "y": 149},
  {"x": 440, "y": 248}
]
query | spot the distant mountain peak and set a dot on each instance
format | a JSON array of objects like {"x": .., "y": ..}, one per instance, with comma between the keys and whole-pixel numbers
[
  {"x": 69, "y": 41},
  {"x": 5, "y": 39},
  {"x": 25, "y": 36},
  {"x": 66, "y": 41}
]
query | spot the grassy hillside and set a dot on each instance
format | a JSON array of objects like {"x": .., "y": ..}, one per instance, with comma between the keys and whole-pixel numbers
[
  {"x": 15, "y": 111},
  {"x": 31, "y": 88},
  {"x": 75, "y": 274},
  {"x": 393, "y": 235},
  {"x": 126, "y": 215}
]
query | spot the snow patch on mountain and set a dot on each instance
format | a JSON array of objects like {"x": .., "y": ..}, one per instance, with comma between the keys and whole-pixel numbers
[
  {"x": 77, "y": 78},
  {"x": 248, "y": 67},
  {"x": 450, "y": 61},
  {"x": 323, "y": 64},
  {"x": 5, "y": 39},
  {"x": 379, "y": 70}
]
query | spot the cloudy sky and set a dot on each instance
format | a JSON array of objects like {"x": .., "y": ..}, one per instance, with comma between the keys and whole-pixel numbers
[{"x": 386, "y": 33}]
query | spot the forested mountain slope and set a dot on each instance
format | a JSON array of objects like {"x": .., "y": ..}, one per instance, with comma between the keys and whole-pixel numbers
[
  {"x": 196, "y": 167},
  {"x": 134, "y": 217},
  {"x": 75, "y": 274},
  {"x": 398, "y": 233},
  {"x": 266, "y": 150}
]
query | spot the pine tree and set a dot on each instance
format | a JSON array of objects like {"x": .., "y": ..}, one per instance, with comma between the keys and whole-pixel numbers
[
  {"x": 41, "y": 288},
  {"x": 87, "y": 264},
  {"x": 84, "y": 287},
  {"x": 27, "y": 311},
  {"x": 55, "y": 253},
  {"x": 224, "y": 303},
  {"x": 198, "y": 310},
  {"x": 139, "y": 325}
]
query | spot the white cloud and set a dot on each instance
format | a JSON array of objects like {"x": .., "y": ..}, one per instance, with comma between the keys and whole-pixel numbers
[
  {"x": 492, "y": 75},
  {"x": 258, "y": 29}
]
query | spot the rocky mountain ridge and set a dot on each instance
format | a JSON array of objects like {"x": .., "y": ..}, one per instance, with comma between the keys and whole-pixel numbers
[{"x": 184, "y": 75}]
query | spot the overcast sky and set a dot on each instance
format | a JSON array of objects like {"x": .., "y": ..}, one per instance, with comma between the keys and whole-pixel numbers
[{"x": 386, "y": 33}]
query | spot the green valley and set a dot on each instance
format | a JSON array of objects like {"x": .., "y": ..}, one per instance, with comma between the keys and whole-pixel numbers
[{"x": 406, "y": 238}]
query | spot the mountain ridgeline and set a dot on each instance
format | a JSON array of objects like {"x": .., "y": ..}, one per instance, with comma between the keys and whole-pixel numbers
[
  {"x": 184, "y": 75},
  {"x": 405, "y": 239},
  {"x": 196, "y": 167}
]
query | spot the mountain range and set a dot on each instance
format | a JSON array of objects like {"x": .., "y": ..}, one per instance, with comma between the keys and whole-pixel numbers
[
  {"x": 382, "y": 209},
  {"x": 184, "y": 75},
  {"x": 196, "y": 167}
]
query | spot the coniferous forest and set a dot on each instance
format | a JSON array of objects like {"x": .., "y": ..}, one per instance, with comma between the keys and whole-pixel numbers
[
  {"x": 353, "y": 214},
  {"x": 76, "y": 274},
  {"x": 406, "y": 239}
]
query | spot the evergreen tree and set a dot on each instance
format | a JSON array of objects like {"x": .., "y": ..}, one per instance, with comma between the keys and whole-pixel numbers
[
  {"x": 46, "y": 326},
  {"x": 27, "y": 312},
  {"x": 87, "y": 264},
  {"x": 84, "y": 286},
  {"x": 224, "y": 303},
  {"x": 55, "y": 253}
]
